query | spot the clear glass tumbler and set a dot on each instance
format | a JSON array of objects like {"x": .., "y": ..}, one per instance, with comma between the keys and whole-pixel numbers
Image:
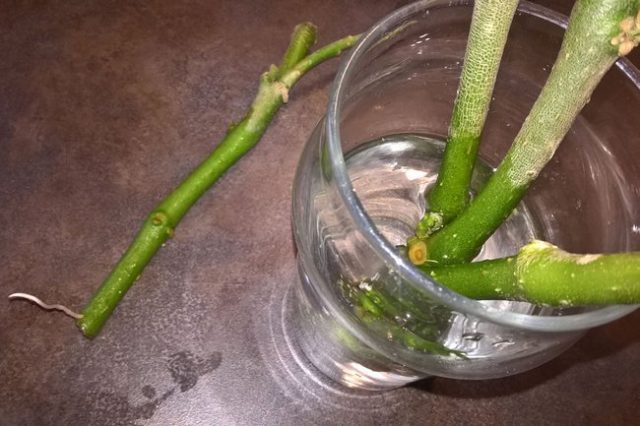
[{"x": 359, "y": 191}]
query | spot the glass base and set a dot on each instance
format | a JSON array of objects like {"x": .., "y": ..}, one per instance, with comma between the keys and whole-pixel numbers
[{"x": 338, "y": 354}]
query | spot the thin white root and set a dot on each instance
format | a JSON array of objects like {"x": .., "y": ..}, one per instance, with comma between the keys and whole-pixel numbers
[{"x": 43, "y": 305}]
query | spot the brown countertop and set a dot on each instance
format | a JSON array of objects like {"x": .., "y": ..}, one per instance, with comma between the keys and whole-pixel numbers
[{"x": 106, "y": 105}]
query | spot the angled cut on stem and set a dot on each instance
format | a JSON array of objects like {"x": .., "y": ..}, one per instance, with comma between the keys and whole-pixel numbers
[
  {"x": 241, "y": 137},
  {"x": 487, "y": 37},
  {"x": 598, "y": 33}
]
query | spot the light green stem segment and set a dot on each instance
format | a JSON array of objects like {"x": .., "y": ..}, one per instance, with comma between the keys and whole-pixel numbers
[
  {"x": 159, "y": 226},
  {"x": 586, "y": 54},
  {"x": 487, "y": 37},
  {"x": 302, "y": 39},
  {"x": 541, "y": 273}
]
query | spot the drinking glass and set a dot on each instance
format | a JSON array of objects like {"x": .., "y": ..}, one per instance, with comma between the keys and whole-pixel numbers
[{"x": 359, "y": 192}]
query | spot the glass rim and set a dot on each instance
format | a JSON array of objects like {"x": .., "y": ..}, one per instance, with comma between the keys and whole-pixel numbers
[{"x": 407, "y": 271}]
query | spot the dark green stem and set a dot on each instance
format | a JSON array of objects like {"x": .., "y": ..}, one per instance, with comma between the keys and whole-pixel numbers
[
  {"x": 407, "y": 338},
  {"x": 487, "y": 38},
  {"x": 543, "y": 274},
  {"x": 382, "y": 312},
  {"x": 586, "y": 54},
  {"x": 159, "y": 226}
]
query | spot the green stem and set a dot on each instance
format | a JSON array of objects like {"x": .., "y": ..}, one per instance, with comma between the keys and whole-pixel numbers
[
  {"x": 541, "y": 273},
  {"x": 303, "y": 37},
  {"x": 159, "y": 226},
  {"x": 586, "y": 54},
  {"x": 487, "y": 37},
  {"x": 378, "y": 313}
]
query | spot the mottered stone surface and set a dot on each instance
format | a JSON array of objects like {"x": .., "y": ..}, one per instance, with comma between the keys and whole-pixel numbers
[{"x": 104, "y": 105}]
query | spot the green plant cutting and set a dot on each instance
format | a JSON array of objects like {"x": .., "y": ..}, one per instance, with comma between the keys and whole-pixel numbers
[
  {"x": 454, "y": 228},
  {"x": 273, "y": 91},
  {"x": 159, "y": 226},
  {"x": 598, "y": 33},
  {"x": 591, "y": 45}
]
